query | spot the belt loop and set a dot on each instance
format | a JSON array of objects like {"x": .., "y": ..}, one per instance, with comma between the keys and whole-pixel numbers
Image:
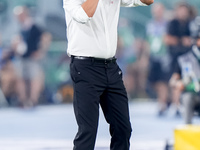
[
  {"x": 92, "y": 59},
  {"x": 115, "y": 60},
  {"x": 72, "y": 59}
]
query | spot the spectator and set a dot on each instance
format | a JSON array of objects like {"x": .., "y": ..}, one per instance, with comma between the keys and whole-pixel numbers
[
  {"x": 159, "y": 59},
  {"x": 139, "y": 68},
  {"x": 133, "y": 62},
  {"x": 7, "y": 74},
  {"x": 126, "y": 57},
  {"x": 186, "y": 76},
  {"x": 30, "y": 46},
  {"x": 1, "y": 49},
  {"x": 132, "y": 58},
  {"x": 178, "y": 41}
]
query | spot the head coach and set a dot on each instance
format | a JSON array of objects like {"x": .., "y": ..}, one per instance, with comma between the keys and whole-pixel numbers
[{"x": 97, "y": 79}]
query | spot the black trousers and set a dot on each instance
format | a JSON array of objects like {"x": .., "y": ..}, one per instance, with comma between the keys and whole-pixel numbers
[{"x": 97, "y": 83}]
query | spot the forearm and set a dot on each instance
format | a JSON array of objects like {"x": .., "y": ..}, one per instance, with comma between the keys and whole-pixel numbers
[
  {"x": 176, "y": 82},
  {"x": 147, "y": 2},
  {"x": 170, "y": 40},
  {"x": 80, "y": 11},
  {"x": 90, "y": 7}
]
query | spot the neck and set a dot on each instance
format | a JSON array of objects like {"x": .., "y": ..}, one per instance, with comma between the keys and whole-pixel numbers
[{"x": 27, "y": 24}]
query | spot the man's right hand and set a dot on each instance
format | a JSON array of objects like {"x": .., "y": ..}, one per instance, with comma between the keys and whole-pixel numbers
[{"x": 179, "y": 85}]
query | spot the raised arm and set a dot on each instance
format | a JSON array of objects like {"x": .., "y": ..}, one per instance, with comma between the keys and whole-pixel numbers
[
  {"x": 90, "y": 6},
  {"x": 134, "y": 3},
  {"x": 79, "y": 11},
  {"x": 147, "y": 2}
]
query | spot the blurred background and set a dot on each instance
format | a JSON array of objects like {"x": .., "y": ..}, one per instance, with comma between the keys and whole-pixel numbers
[{"x": 35, "y": 80}]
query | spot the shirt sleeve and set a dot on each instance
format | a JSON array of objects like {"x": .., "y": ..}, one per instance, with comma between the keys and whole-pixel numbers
[
  {"x": 131, "y": 3},
  {"x": 75, "y": 10}
]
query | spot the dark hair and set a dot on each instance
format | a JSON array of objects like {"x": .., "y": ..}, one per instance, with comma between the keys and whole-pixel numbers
[{"x": 183, "y": 4}]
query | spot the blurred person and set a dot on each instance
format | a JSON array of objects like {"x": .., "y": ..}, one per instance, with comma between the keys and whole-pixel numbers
[
  {"x": 139, "y": 68},
  {"x": 178, "y": 41},
  {"x": 186, "y": 77},
  {"x": 133, "y": 61},
  {"x": 126, "y": 55},
  {"x": 1, "y": 47},
  {"x": 193, "y": 12},
  {"x": 7, "y": 74},
  {"x": 125, "y": 58},
  {"x": 97, "y": 79},
  {"x": 125, "y": 31},
  {"x": 159, "y": 59},
  {"x": 131, "y": 56},
  {"x": 30, "y": 46}
]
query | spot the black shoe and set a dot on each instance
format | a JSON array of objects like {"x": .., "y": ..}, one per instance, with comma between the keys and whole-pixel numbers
[
  {"x": 177, "y": 114},
  {"x": 161, "y": 113}
]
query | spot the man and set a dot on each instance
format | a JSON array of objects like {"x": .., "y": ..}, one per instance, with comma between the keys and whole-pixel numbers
[
  {"x": 7, "y": 74},
  {"x": 159, "y": 59},
  {"x": 178, "y": 41},
  {"x": 97, "y": 79},
  {"x": 31, "y": 46},
  {"x": 186, "y": 77},
  {"x": 178, "y": 32}
]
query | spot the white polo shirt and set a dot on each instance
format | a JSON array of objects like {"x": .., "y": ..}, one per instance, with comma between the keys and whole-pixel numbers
[{"x": 96, "y": 36}]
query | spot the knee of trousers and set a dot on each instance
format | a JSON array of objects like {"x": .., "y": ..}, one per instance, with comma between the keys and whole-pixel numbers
[
  {"x": 128, "y": 131},
  {"x": 90, "y": 131},
  {"x": 123, "y": 131}
]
